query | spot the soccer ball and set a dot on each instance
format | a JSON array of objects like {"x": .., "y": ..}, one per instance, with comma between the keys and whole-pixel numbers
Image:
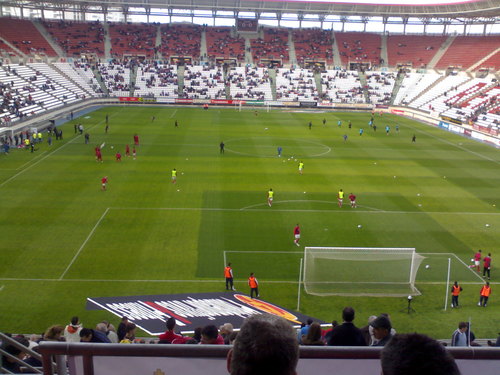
[
  {"x": 487, "y": 225},
  {"x": 427, "y": 266},
  {"x": 472, "y": 260},
  {"x": 112, "y": 146},
  {"x": 359, "y": 225}
]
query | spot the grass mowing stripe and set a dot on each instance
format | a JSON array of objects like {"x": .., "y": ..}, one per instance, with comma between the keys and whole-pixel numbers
[{"x": 83, "y": 244}]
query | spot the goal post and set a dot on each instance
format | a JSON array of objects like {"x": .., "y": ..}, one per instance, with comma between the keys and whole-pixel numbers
[{"x": 361, "y": 271}]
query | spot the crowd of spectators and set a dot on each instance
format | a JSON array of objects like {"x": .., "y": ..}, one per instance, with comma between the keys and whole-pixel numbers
[
  {"x": 220, "y": 43},
  {"x": 116, "y": 76},
  {"x": 156, "y": 79},
  {"x": 296, "y": 85},
  {"x": 313, "y": 45},
  {"x": 341, "y": 86},
  {"x": 204, "y": 82},
  {"x": 249, "y": 83},
  {"x": 132, "y": 40},
  {"x": 181, "y": 41},
  {"x": 380, "y": 86}
]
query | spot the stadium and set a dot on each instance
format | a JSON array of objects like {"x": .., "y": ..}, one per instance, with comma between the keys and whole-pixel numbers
[{"x": 141, "y": 141}]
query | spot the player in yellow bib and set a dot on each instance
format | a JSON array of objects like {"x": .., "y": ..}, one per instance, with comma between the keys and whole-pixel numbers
[
  {"x": 341, "y": 197},
  {"x": 301, "y": 167},
  {"x": 174, "y": 176},
  {"x": 270, "y": 195}
]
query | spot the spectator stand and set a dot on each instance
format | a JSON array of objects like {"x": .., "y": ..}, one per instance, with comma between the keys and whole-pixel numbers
[
  {"x": 415, "y": 51},
  {"x": 156, "y": 80},
  {"x": 116, "y": 77},
  {"x": 296, "y": 85},
  {"x": 413, "y": 85},
  {"x": 77, "y": 38},
  {"x": 88, "y": 84},
  {"x": 270, "y": 49},
  {"x": 23, "y": 35},
  {"x": 180, "y": 43},
  {"x": 202, "y": 82},
  {"x": 313, "y": 46},
  {"x": 359, "y": 50},
  {"x": 468, "y": 50},
  {"x": 249, "y": 83},
  {"x": 222, "y": 46},
  {"x": 341, "y": 86},
  {"x": 132, "y": 40},
  {"x": 380, "y": 86}
]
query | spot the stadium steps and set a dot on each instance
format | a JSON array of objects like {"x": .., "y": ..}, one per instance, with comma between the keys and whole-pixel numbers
[
  {"x": 99, "y": 79},
  {"x": 364, "y": 84},
  {"x": 48, "y": 38},
  {"x": 319, "y": 86},
  {"x": 397, "y": 85},
  {"x": 248, "y": 50},
  {"x": 107, "y": 41},
  {"x": 180, "y": 80},
  {"x": 291, "y": 49},
  {"x": 14, "y": 48},
  {"x": 133, "y": 78},
  {"x": 337, "y": 62},
  {"x": 272, "y": 76},
  {"x": 477, "y": 64},
  {"x": 203, "y": 46},
  {"x": 158, "y": 42},
  {"x": 440, "y": 52},
  {"x": 383, "y": 52}
]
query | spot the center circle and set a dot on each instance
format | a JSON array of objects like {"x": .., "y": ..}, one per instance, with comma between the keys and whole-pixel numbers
[{"x": 265, "y": 147}]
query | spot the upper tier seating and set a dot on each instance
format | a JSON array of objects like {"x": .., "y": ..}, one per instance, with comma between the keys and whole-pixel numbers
[
  {"x": 204, "y": 83},
  {"x": 77, "y": 38},
  {"x": 25, "y": 36},
  {"x": 342, "y": 86},
  {"x": 313, "y": 45},
  {"x": 467, "y": 50},
  {"x": 415, "y": 49},
  {"x": 220, "y": 43},
  {"x": 492, "y": 62},
  {"x": 6, "y": 50},
  {"x": 116, "y": 77},
  {"x": 380, "y": 85},
  {"x": 359, "y": 47},
  {"x": 132, "y": 39},
  {"x": 295, "y": 85},
  {"x": 274, "y": 46},
  {"x": 250, "y": 83},
  {"x": 181, "y": 40},
  {"x": 157, "y": 80}
]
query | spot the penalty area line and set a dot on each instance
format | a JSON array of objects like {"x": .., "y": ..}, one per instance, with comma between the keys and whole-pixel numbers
[{"x": 83, "y": 244}]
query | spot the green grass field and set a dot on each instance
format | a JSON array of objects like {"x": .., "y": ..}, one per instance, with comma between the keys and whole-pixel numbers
[{"x": 63, "y": 239}]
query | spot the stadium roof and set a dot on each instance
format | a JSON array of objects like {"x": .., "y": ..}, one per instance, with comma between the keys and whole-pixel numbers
[{"x": 366, "y": 8}]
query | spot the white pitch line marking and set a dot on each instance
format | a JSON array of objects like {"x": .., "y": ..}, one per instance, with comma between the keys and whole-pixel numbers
[
  {"x": 1, "y": 287},
  {"x": 84, "y": 243},
  {"x": 173, "y": 113}
]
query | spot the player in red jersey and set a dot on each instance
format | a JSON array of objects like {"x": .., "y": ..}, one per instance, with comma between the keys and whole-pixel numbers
[
  {"x": 127, "y": 150},
  {"x": 118, "y": 156},
  {"x": 136, "y": 140},
  {"x": 487, "y": 266},
  {"x": 104, "y": 181},
  {"x": 134, "y": 153},
  {"x": 352, "y": 198},
  {"x": 296, "y": 234},
  {"x": 477, "y": 260}
]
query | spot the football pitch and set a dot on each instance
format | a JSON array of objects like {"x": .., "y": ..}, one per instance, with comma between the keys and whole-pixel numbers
[{"x": 63, "y": 239}]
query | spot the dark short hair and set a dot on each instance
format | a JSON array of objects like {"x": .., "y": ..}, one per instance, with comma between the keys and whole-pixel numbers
[
  {"x": 266, "y": 345},
  {"x": 382, "y": 322},
  {"x": 348, "y": 314},
  {"x": 85, "y": 332},
  {"x": 210, "y": 331},
  {"x": 462, "y": 325},
  {"x": 416, "y": 354},
  {"x": 74, "y": 320},
  {"x": 170, "y": 323}
]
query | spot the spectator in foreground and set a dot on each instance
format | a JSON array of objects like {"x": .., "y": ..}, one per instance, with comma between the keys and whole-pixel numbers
[
  {"x": 415, "y": 354},
  {"x": 347, "y": 334},
  {"x": 381, "y": 330},
  {"x": 169, "y": 335},
  {"x": 90, "y": 335},
  {"x": 459, "y": 337},
  {"x": 121, "y": 328},
  {"x": 210, "y": 336},
  {"x": 72, "y": 330},
  {"x": 265, "y": 345},
  {"x": 313, "y": 337}
]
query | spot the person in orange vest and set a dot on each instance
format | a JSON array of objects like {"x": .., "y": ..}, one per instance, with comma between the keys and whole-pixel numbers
[
  {"x": 484, "y": 295},
  {"x": 254, "y": 285},
  {"x": 455, "y": 292},
  {"x": 228, "y": 274}
]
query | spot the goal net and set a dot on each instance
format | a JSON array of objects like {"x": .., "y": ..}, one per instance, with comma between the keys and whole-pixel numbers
[{"x": 361, "y": 271}]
